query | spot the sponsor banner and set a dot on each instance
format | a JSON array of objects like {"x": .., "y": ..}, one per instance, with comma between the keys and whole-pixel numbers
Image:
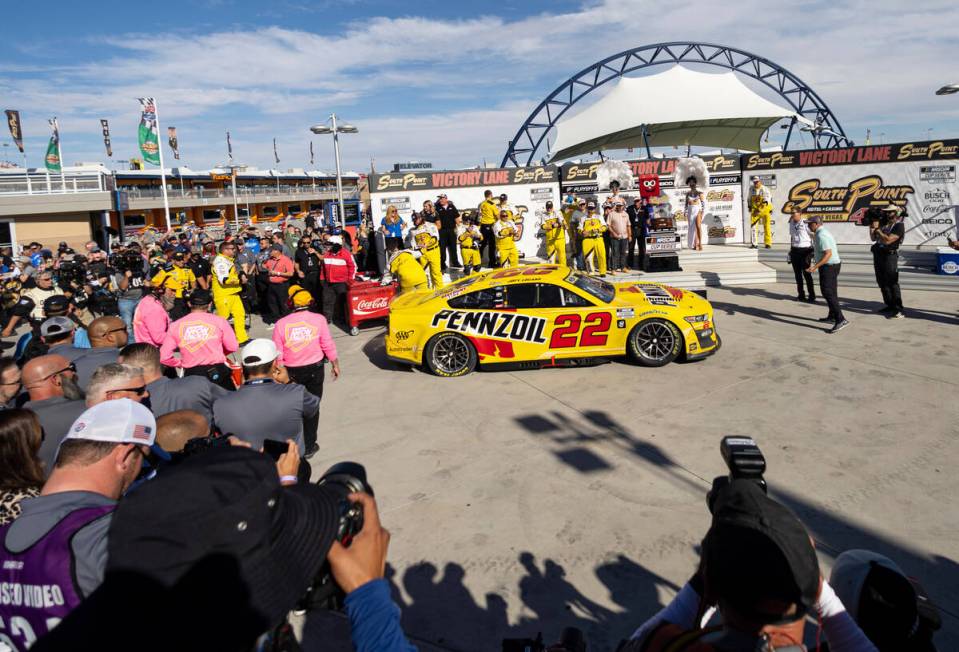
[
  {"x": 723, "y": 220},
  {"x": 147, "y": 133},
  {"x": 105, "y": 126},
  {"x": 932, "y": 150},
  {"x": 173, "y": 142},
  {"x": 447, "y": 179},
  {"x": 52, "y": 158},
  {"x": 841, "y": 194},
  {"x": 16, "y": 128},
  {"x": 527, "y": 188}
]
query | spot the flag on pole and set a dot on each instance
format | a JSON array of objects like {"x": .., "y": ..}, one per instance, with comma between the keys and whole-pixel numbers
[
  {"x": 311, "y": 152},
  {"x": 147, "y": 132},
  {"x": 106, "y": 137},
  {"x": 16, "y": 130},
  {"x": 229, "y": 146},
  {"x": 174, "y": 145},
  {"x": 276, "y": 157},
  {"x": 52, "y": 159}
]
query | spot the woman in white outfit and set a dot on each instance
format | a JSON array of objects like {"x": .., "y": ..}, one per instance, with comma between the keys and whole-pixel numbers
[{"x": 695, "y": 211}]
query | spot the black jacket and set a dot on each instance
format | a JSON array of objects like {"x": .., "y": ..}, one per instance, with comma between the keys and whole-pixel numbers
[{"x": 447, "y": 216}]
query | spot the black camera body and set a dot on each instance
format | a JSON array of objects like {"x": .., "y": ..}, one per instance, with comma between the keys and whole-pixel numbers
[
  {"x": 72, "y": 273},
  {"x": 344, "y": 478},
  {"x": 876, "y": 214},
  {"x": 745, "y": 462},
  {"x": 127, "y": 261}
]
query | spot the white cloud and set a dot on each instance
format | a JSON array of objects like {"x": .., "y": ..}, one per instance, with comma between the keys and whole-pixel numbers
[{"x": 457, "y": 90}]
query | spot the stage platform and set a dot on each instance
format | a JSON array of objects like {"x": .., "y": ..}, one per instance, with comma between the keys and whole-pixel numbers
[{"x": 716, "y": 265}]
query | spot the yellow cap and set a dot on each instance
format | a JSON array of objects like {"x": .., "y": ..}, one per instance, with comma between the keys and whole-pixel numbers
[{"x": 299, "y": 296}]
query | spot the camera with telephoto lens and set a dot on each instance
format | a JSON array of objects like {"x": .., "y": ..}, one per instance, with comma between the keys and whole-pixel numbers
[
  {"x": 344, "y": 479},
  {"x": 745, "y": 462},
  {"x": 874, "y": 214},
  {"x": 72, "y": 272},
  {"x": 127, "y": 261}
]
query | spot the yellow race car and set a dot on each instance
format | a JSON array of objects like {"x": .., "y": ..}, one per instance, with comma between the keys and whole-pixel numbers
[{"x": 546, "y": 316}]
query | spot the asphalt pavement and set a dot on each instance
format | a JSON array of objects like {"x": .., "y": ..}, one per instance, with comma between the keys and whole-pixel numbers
[{"x": 526, "y": 502}]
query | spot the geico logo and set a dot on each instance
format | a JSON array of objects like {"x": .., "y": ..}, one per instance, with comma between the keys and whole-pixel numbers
[
  {"x": 937, "y": 220},
  {"x": 503, "y": 325}
]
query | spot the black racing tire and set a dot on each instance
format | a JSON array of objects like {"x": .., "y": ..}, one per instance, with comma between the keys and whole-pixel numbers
[
  {"x": 450, "y": 355},
  {"x": 655, "y": 343}
]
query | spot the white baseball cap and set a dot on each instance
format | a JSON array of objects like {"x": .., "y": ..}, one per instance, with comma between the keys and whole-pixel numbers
[
  {"x": 336, "y": 239},
  {"x": 258, "y": 351},
  {"x": 121, "y": 421}
]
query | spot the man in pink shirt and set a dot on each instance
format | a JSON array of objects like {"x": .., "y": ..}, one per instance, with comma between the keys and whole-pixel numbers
[
  {"x": 619, "y": 233},
  {"x": 303, "y": 341},
  {"x": 151, "y": 319},
  {"x": 204, "y": 341}
]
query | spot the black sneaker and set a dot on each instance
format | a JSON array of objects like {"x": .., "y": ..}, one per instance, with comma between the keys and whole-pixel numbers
[
  {"x": 896, "y": 315},
  {"x": 884, "y": 310},
  {"x": 811, "y": 300},
  {"x": 311, "y": 451},
  {"x": 801, "y": 297},
  {"x": 825, "y": 319},
  {"x": 838, "y": 327}
]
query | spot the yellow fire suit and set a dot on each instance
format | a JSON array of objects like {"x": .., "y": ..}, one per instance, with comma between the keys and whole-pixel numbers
[
  {"x": 469, "y": 238},
  {"x": 226, "y": 294},
  {"x": 405, "y": 268},
  {"x": 504, "y": 230},
  {"x": 553, "y": 227},
  {"x": 426, "y": 238},
  {"x": 488, "y": 212},
  {"x": 592, "y": 229},
  {"x": 184, "y": 276},
  {"x": 760, "y": 214}
]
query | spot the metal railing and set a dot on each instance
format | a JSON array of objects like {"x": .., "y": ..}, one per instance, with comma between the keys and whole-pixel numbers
[
  {"x": 51, "y": 184},
  {"x": 242, "y": 192}
]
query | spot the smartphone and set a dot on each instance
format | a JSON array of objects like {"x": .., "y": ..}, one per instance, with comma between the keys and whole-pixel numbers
[{"x": 274, "y": 448}]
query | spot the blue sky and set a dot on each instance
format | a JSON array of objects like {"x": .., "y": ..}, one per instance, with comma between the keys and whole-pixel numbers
[{"x": 446, "y": 82}]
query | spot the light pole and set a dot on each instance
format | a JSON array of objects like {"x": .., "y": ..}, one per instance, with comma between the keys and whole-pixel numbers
[
  {"x": 336, "y": 130},
  {"x": 948, "y": 89}
]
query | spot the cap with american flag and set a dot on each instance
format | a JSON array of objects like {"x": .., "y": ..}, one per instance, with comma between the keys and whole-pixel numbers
[{"x": 122, "y": 421}]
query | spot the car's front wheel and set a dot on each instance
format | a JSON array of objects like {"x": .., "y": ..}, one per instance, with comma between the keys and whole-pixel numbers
[
  {"x": 450, "y": 355},
  {"x": 654, "y": 342}
]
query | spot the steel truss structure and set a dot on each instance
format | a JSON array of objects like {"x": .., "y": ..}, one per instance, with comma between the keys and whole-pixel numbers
[{"x": 827, "y": 132}]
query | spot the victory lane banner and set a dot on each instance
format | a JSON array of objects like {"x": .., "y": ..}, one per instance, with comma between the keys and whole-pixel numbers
[
  {"x": 723, "y": 221},
  {"x": 840, "y": 185},
  {"x": 527, "y": 189}
]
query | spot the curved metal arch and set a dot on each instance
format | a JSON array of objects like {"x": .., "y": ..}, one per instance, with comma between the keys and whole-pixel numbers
[{"x": 801, "y": 98}]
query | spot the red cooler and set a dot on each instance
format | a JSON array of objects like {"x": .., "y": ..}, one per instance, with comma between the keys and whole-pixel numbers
[{"x": 367, "y": 300}]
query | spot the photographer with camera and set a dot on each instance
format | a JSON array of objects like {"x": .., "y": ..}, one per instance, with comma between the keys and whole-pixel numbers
[
  {"x": 887, "y": 232},
  {"x": 758, "y": 569},
  {"x": 235, "y": 558},
  {"x": 129, "y": 279}
]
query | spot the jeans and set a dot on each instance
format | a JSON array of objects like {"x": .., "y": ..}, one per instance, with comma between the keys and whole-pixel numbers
[
  {"x": 829, "y": 286},
  {"x": 800, "y": 258},
  {"x": 127, "y": 307},
  {"x": 618, "y": 247},
  {"x": 886, "y": 265}
]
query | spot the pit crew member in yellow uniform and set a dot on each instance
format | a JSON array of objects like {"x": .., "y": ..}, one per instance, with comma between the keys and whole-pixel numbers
[
  {"x": 503, "y": 231},
  {"x": 760, "y": 213},
  {"x": 591, "y": 229},
  {"x": 471, "y": 239},
  {"x": 488, "y": 213},
  {"x": 404, "y": 267},
  {"x": 185, "y": 284},
  {"x": 227, "y": 284},
  {"x": 553, "y": 227},
  {"x": 425, "y": 237}
]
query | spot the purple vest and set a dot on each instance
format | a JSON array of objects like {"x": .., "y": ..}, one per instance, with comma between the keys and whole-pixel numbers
[{"x": 37, "y": 586}]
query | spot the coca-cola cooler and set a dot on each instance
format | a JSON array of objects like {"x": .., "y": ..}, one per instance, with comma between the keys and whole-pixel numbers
[{"x": 366, "y": 300}]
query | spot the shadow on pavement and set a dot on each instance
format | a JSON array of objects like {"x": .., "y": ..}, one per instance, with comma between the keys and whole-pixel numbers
[
  {"x": 375, "y": 352},
  {"x": 441, "y": 610}
]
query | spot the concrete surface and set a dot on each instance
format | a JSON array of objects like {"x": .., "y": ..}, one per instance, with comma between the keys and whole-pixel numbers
[{"x": 522, "y": 502}]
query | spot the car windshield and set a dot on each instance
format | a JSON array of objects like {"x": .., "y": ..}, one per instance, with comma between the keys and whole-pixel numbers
[{"x": 596, "y": 287}]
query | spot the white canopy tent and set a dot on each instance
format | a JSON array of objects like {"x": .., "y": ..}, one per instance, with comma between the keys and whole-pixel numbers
[{"x": 675, "y": 107}]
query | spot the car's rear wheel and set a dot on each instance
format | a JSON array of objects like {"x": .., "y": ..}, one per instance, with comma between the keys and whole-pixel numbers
[
  {"x": 655, "y": 342},
  {"x": 450, "y": 355}
]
